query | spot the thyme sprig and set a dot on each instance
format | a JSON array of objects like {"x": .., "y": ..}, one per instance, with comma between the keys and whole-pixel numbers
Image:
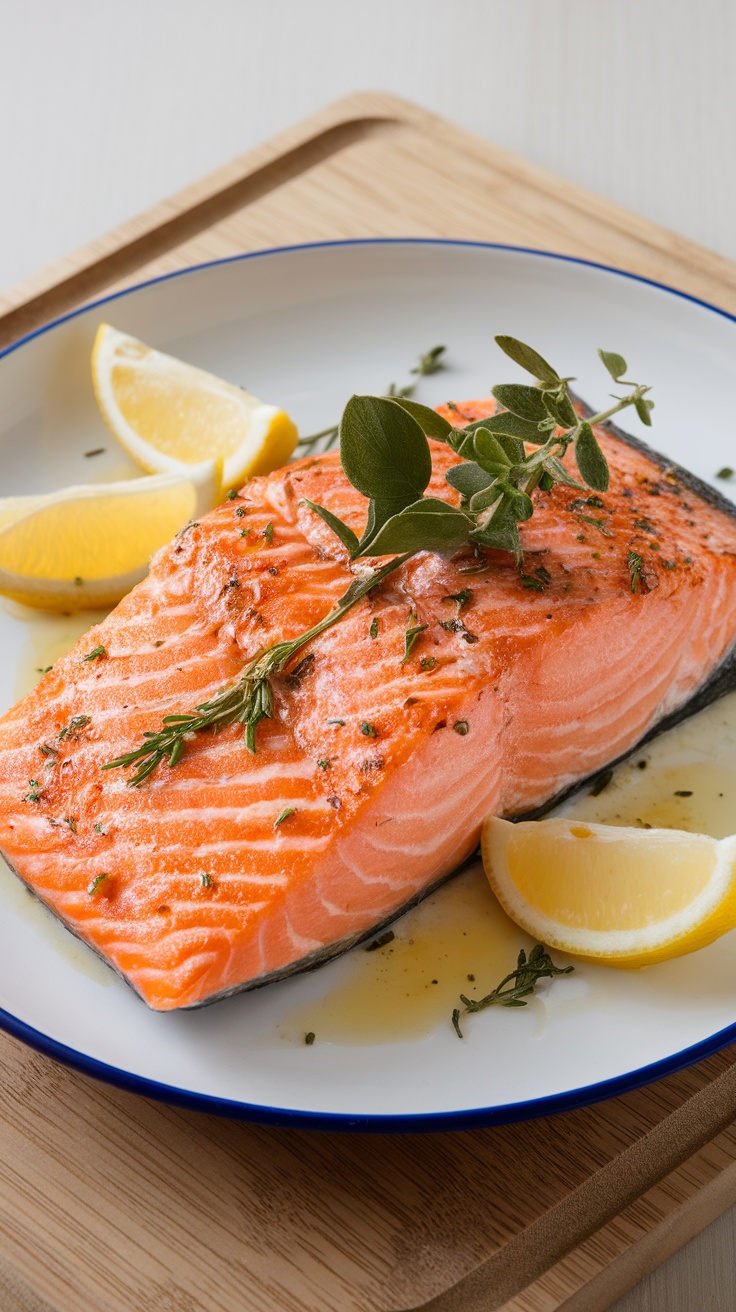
[
  {"x": 248, "y": 701},
  {"x": 515, "y": 987},
  {"x": 386, "y": 457}
]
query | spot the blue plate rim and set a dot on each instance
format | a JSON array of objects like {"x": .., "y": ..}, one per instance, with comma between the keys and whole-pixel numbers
[{"x": 295, "y": 1118}]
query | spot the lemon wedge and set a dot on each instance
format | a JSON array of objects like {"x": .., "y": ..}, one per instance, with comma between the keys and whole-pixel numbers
[
  {"x": 86, "y": 546},
  {"x": 170, "y": 416},
  {"x": 625, "y": 897}
]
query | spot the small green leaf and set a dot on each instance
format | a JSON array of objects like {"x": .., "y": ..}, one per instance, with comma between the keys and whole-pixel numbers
[
  {"x": 468, "y": 478},
  {"x": 345, "y": 534},
  {"x": 560, "y": 409},
  {"x": 373, "y": 630},
  {"x": 94, "y": 654},
  {"x": 489, "y": 451},
  {"x": 432, "y": 424},
  {"x": 615, "y": 364},
  {"x": 383, "y": 451},
  {"x": 285, "y": 814},
  {"x": 526, "y": 402},
  {"x": 592, "y": 463},
  {"x": 428, "y": 525},
  {"x": 524, "y": 430},
  {"x": 485, "y": 498},
  {"x": 410, "y": 638},
  {"x": 528, "y": 358},
  {"x": 643, "y": 407},
  {"x": 558, "y": 471}
]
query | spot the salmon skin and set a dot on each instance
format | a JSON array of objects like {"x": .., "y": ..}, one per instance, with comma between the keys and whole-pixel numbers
[{"x": 370, "y": 783}]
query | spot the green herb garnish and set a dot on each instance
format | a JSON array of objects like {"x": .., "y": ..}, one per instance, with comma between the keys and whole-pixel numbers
[
  {"x": 368, "y": 730},
  {"x": 71, "y": 730},
  {"x": 461, "y": 727},
  {"x": 515, "y": 987},
  {"x": 462, "y": 598},
  {"x": 98, "y": 879},
  {"x": 373, "y": 630},
  {"x": 207, "y": 880},
  {"x": 324, "y": 764},
  {"x": 636, "y": 565},
  {"x": 386, "y": 456},
  {"x": 287, "y": 811},
  {"x": 410, "y": 637},
  {"x": 232, "y": 494},
  {"x": 726, "y": 473},
  {"x": 309, "y": 1038},
  {"x": 268, "y": 531},
  {"x": 35, "y": 793},
  {"x": 95, "y": 653}
]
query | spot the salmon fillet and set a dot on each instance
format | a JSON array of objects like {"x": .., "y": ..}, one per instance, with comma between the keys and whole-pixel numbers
[{"x": 385, "y": 768}]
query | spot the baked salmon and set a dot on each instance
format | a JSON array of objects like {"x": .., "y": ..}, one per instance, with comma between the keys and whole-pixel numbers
[{"x": 369, "y": 785}]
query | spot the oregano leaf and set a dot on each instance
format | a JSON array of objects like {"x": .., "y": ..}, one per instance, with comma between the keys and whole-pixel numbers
[
  {"x": 615, "y": 364},
  {"x": 468, "y": 478},
  {"x": 526, "y": 402},
  {"x": 591, "y": 461},
  {"x": 345, "y": 534},
  {"x": 428, "y": 525},
  {"x": 528, "y": 358},
  {"x": 383, "y": 450},
  {"x": 560, "y": 408},
  {"x": 431, "y": 424},
  {"x": 488, "y": 449},
  {"x": 643, "y": 407}
]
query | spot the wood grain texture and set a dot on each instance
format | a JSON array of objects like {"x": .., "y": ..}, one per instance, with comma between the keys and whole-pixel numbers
[{"x": 112, "y": 1203}]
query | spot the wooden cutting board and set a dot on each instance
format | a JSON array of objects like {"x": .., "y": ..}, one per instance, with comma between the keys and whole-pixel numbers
[{"x": 111, "y": 1203}]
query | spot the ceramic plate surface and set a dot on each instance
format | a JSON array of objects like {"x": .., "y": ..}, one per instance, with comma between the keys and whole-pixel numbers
[{"x": 306, "y": 327}]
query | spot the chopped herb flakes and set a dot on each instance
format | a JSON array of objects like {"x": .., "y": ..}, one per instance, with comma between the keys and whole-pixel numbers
[
  {"x": 240, "y": 511},
  {"x": 78, "y": 583},
  {"x": 268, "y": 531},
  {"x": 726, "y": 473},
  {"x": 98, "y": 879},
  {"x": 309, "y": 1038},
  {"x": 381, "y": 941},
  {"x": 43, "y": 669},
  {"x": 71, "y": 730},
  {"x": 340, "y": 722},
  {"x": 428, "y": 663},
  {"x": 232, "y": 494},
  {"x": 324, "y": 764},
  {"x": 683, "y": 792},
  {"x": 71, "y": 822},
  {"x": 95, "y": 654},
  {"x": 462, "y": 598},
  {"x": 287, "y": 811},
  {"x": 636, "y": 565},
  {"x": 207, "y": 880},
  {"x": 97, "y": 451},
  {"x": 461, "y": 727},
  {"x": 373, "y": 630},
  {"x": 368, "y": 730},
  {"x": 99, "y": 829},
  {"x": 35, "y": 794},
  {"x": 410, "y": 638}
]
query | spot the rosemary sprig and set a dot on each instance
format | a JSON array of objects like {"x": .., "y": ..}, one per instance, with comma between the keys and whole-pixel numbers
[
  {"x": 514, "y": 987},
  {"x": 248, "y": 701}
]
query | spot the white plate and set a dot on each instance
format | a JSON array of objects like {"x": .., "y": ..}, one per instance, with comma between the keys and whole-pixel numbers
[{"x": 306, "y": 327}]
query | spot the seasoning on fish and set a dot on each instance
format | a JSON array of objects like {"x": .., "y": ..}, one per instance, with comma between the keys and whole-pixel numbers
[{"x": 559, "y": 683}]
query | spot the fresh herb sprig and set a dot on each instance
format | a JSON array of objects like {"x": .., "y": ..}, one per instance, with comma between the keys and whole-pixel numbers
[
  {"x": 516, "y": 987},
  {"x": 386, "y": 456},
  {"x": 246, "y": 702}
]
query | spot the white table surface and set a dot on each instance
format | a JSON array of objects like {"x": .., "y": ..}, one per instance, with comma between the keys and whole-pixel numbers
[{"x": 107, "y": 108}]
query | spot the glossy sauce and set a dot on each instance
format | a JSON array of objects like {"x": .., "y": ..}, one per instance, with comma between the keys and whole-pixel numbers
[{"x": 407, "y": 988}]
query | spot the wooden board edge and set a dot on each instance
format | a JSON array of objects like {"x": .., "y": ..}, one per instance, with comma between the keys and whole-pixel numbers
[
  {"x": 601, "y": 1198},
  {"x": 677, "y": 1209},
  {"x": 129, "y": 246}
]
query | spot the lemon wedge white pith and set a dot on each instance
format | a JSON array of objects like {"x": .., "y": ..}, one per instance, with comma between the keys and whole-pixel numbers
[
  {"x": 170, "y": 416},
  {"x": 86, "y": 546},
  {"x": 626, "y": 897}
]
